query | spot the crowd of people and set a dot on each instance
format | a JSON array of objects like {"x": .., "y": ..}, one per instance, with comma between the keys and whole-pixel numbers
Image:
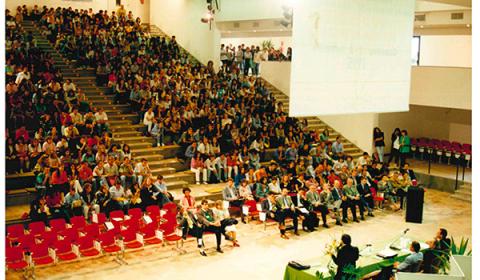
[
  {"x": 225, "y": 123},
  {"x": 246, "y": 58}
]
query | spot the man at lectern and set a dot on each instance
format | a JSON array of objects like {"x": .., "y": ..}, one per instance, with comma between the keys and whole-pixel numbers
[{"x": 346, "y": 257}]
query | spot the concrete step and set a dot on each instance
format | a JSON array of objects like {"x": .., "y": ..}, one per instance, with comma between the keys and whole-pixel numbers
[
  {"x": 131, "y": 127},
  {"x": 134, "y": 139},
  {"x": 118, "y": 122},
  {"x": 464, "y": 192},
  {"x": 187, "y": 176},
  {"x": 463, "y": 197},
  {"x": 167, "y": 151},
  {"x": 168, "y": 162},
  {"x": 119, "y": 134}
]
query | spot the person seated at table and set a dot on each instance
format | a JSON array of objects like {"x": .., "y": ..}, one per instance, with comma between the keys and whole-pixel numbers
[
  {"x": 304, "y": 209},
  {"x": 229, "y": 229},
  {"x": 207, "y": 218},
  {"x": 74, "y": 203},
  {"x": 190, "y": 223},
  {"x": 318, "y": 202},
  {"x": 439, "y": 247},
  {"x": 231, "y": 194},
  {"x": 413, "y": 261},
  {"x": 353, "y": 200},
  {"x": 118, "y": 200},
  {"x": 346, "y": 258},
  {"x": 287, "y": 209}
]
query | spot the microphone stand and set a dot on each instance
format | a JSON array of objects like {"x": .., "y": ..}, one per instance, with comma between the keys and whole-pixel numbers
[{"x": 391, "y": 246}]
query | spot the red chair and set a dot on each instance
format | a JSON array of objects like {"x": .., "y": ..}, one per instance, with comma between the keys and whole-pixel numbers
[
  {"x": 64, "y": 251},
  {"x": 40, "y": 255},
  {"x": 153, "y": 211},
  {"x": 130, "y": 239},
  {"x": 86, "y": 246},
  {"x": 99, "y": 218},
  {"x": 135, "y": 213},
  {"x": 71, "y": 235},
  {"x": 107, "y": 241},
  {"x": 132, "y": 224},
  {"x": 78, "y": 222},
  {"x": 49, "y": 238},
  {"x": 151, "y": 235},
  {"x": 15, "y": 259},
  {"x": 26, "y": 242},
  {"x": 252, "y": 208},
  {"x": 36, "y": 228},
  {"x": 117, "y": 215},
  {"x": 15, "y": 231},
  {"x": 92, "y": 230},
  {"x": 58, "y": 225},
  {"x": 170, "y": 207}
]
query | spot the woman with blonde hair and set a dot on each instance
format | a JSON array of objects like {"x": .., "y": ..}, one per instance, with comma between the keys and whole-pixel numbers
[{"x": 229, "y": 230}]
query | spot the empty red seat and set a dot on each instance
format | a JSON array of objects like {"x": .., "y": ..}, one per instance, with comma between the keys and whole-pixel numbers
[
  {"x": 70, "y": 234},
  {"x": 78, "y": 222},
  {"x": 135, "y": 213},
  {"x": 99, "y": 218},
  {"x": 92, "y": 230},
  {"x": 150, "y": 234},
  {"x": 36, "y": 228},
  {"x": 49, "y": 238},
  {"x": 153, "y": 209},
  {"x": 15, "y": 231},
  {"x": 130, "y": 239},
  {"x": 107, "y": 241},
  {"x": 86, "y": 245},
  {"x": 58, "y": 225},
  {"x": 116, "y": 215},
  {"x": 15, "y": 259},
  {"x": 64, "y": 251},
  {"x": 170, "y": 208},
  {"x": 40, "y": 255},
  {"x": 26, "y": 242}
]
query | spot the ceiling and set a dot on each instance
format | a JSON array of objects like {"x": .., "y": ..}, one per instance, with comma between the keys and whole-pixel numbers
[{"x": 464, "y": 3}]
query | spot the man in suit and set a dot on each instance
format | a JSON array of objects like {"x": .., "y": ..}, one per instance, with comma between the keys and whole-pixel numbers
[
  {"x": 206, "y": 217},
  {"x": 287, "y": 208},
  {"x": 365, "y": 195},
  {"x": 190, "y": 224},
  {"x": 231, "y": 194},
  {"x": 347, "y": 256},
  {"x": 318, "y": 203},
  {"x": 353, "y": 200},
  {"x": 269, "y": 206},
  {"x": 339, "y": 201},
  {"x": 413, "y": 261}
]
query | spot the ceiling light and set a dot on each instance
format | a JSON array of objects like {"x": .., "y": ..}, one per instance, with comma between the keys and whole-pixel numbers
[
  {"x": 468, "y": 25},
  {"x": 421, "y": 26}
]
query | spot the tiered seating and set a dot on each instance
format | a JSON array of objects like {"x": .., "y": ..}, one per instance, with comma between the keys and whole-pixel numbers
[{"x": 443, "y": 150}]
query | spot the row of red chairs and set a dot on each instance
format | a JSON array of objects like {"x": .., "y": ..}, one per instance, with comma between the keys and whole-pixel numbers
[
  {"x": 67, "y": 242},
  {"x": 441, "y": 145}
]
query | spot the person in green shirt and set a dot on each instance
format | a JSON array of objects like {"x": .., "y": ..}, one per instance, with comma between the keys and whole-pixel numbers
[
  {"x": 404, "y": 147},
  {"x": 353, "y": 199}
]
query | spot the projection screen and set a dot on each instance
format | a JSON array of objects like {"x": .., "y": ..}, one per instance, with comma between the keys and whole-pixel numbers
[{"x": 351, "y": 56}]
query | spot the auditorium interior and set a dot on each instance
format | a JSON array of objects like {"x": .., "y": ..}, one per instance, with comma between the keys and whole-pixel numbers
[{"x": 253, "y": 139}]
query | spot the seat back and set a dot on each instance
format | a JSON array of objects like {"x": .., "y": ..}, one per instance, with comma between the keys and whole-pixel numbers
[
  {"x": 128, "y": 235},
  {"x": 78, "y": 222},
  {"x": 26, "y": 242},
  {"x": 39, "y": 251},
  {"x": 107, "y": 238},
  {"x": 49, "y": 238},
  {"x": 13, "y": 254},
  {"x": 153, "y": 209},
  {"x": 135, "y": 213},
  {"x": 85, "y": 242},
  {"x": 99, "y": 218},
  {"x": 58, "y": 224},
  {"x": 132, "y": 224},
  {"x": 92, "y": 230},
  {"x": 63, "y": 246},
  {"x": 36, "y": 228},
  {"x": 171, "y": 208},
  {"x": 117, "y": 214},
  {"x": 15, "y": 231},
  {"x": 71, "y": 234}
]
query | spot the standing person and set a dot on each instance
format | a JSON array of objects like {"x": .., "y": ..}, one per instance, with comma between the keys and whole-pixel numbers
[
  {"x": 404, "y": 147},
  {"x": 224, "y": 56},
  {"x": 394, "y": 151},
  {"x": 378, "y": 138},
  {"x": 247, "y": 61},
  {"x": 346, "y": 257}
]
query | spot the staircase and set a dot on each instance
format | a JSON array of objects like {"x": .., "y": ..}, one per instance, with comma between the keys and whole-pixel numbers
[
  {"x": 162, "y": 160},
  {"x": 464, "y": 192},
  {"x": 314, "y": 123}
]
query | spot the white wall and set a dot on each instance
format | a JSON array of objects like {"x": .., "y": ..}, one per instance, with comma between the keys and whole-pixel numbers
[
  {"x": 136, "y": 7},
  {"x": 251, "y": 9},
  {"x": 257, "y": 41},
  {"x": 182, "y": 19},
  {"x": 449, "y": 87},
  {"x": 277, "y": 73},
  {"x": 449, "y": 50}
]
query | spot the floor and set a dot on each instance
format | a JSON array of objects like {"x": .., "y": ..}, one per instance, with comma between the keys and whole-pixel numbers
[{"x": 263, "y": 254}]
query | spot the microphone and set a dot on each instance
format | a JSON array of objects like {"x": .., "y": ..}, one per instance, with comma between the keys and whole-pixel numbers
[
  {"x": 395, "y": 247},
  {"x": 406, "y": 230}
]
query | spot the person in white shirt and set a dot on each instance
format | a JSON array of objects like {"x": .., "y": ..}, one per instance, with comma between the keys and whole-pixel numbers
[
  {"x": 363, "y": 160},
  {"x": 148, "y": 119},
  {"x": 204, "y": 147},
  {"x": 142, "y": 170},
  {"x": 101, "y": 119},
  {"x": 274, "y": 186},
  {"x": 68, "y": 86},
  {"x": 210, "y": 166},
  {"x": 221, "y": 166},
  {"x": 24, "y": 74}
]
